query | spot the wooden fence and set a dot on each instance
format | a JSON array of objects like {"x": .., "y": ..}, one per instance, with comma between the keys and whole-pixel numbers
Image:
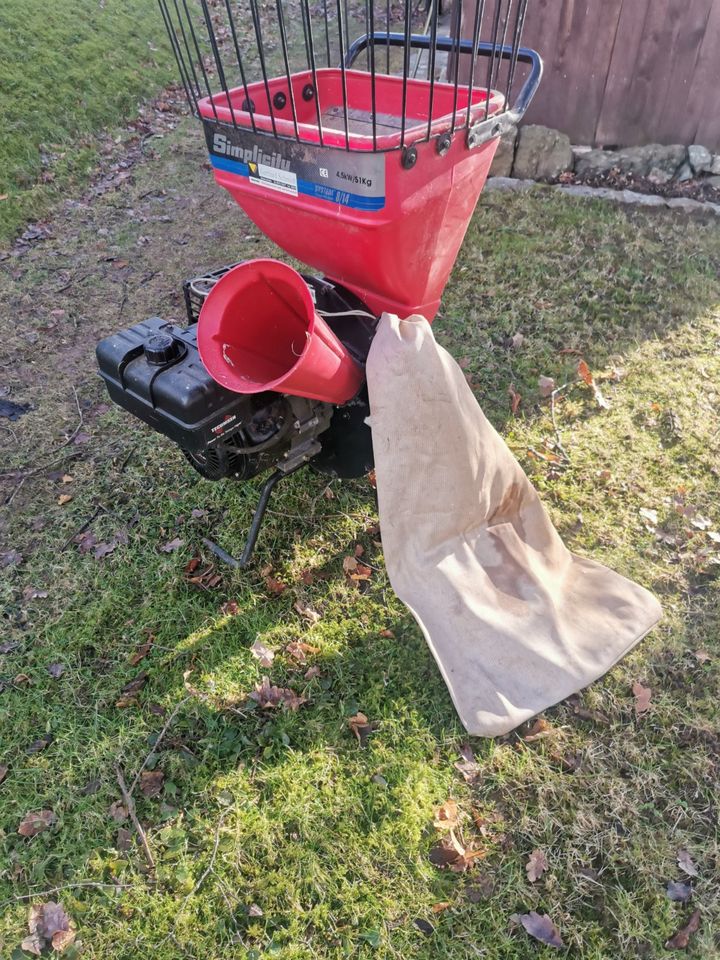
[{"x": 628, "y": 72}]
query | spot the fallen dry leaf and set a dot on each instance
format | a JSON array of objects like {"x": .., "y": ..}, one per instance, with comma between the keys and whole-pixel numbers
[
  {"x": 536, "y": 866},
  {"x": 450, "y": 854},
  {"x": 446, "y": 816},
  {"x": 306, "y": 611},
  {"x": 128, "y": 693},
  {"x": 686, "y": 863},
  {"x": 37, "y": 746},
  {"x": 276, "y": 587},
  {"x": 56, "y": 670},
  {"x": 312, "y": 672},
  {"x": 36, "y": 822},
  {"x": 515, "y": 399},
  {"x": 230, "y": 608},
  {"x": 679, "y": 892},
  {"x": 299, "y": 650},
  {"x": 255, "y": 911},
  {"x": 3, "y": 771},
  {"x": 32, "y": 593},
  {"x": 439, "y": 907},
  {"x": 681, "y": 939},
  {"x": 649, "y": 514},
  {"x": 642, "y": 698},
  {"x": 63, "y": 499},
  {"x": 585, "y": 374},
  {"x": 467, "y": 766},
  {"x": 151, "y": 782},
  {"x": 387, "y": 634},
  {"x": 49, "y": 925},
  {"x": 172, "y": 545},
  {"x": 546, "y": 385},
  {"x": 142, "y": 651},
  {"x": 262, "y": 653},
  {"x": 118, "y": 811},
  {"x": 540, "y": 729},
  {"x": 361, "y": 727},
  {"x": 541, "y": 928},
  {"x": 268, "y": 696}
]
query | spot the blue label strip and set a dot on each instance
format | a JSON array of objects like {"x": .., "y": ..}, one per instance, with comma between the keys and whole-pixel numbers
[{"x": 307, "y": 187}]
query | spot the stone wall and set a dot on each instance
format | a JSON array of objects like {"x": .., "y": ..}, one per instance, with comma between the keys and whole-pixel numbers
[{"x": 539, "y": 153}]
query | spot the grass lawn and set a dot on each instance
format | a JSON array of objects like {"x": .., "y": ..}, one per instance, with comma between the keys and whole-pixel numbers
[
  {"x": 71, "y": 72},
  {"x": 275, "y": 833}
]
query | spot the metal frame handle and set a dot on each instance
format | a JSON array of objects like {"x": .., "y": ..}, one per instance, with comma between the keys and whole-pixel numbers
[{"x": 490, "y": 127}]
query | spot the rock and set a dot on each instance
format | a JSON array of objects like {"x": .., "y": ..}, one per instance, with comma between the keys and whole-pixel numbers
[
  {"x": 715, "y": 165},
  {"x": 508, "y": 183},
  {"x": 659, "y": 176},
  {"x": 504, "y": 155},
  {"x": 713, "y": 182},
  {"x": 684, "y": 173},
  {"x": 542, "y": 153},
  {"x": 684, "y": 203},
  {"x": 595, "y": 163},
  {"x": 699, "y": 158},
  {"x": 652, "y": 159}
]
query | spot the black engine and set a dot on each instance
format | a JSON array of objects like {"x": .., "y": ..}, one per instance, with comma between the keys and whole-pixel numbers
[{"x": 154, "y": 371}]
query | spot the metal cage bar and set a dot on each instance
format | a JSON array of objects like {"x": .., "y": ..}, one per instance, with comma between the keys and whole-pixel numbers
[{"x": 243, "y": 64}]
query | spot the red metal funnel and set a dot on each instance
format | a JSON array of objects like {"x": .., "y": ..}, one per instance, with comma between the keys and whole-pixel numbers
[{"x": 258, "y": 330}]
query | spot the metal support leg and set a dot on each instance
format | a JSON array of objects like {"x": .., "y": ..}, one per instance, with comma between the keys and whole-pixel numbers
[{"x": 254, "y": 531}]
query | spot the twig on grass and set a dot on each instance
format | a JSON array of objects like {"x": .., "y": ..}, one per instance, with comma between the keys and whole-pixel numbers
[
  {"x": 558, "y": 441},
  {"x": 209, "y": 869},
  {"x": 64, "y": 886},
  {"x": 130, "y": 804},
  {"x": 160, "y": 736}
]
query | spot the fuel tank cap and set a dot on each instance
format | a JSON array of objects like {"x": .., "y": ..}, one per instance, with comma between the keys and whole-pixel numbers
[{"x": 161, "y": 348}]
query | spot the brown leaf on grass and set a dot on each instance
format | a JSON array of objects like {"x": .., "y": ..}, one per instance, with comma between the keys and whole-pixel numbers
[
  {"x": 355, "y": 570},
  {"x": 546, "y": 385},
  {"x": 306, "y": 611},
  {"x": 63, "y": 499},
  {"x": 702, "y": 656},
  {"x": 262, "y": 653},
  {"x": 4, "y": 770},
  {"x": 49, "y": 926},
  {"x": 172, "y": 545},
  {"x": 540, "y": 729},
  {"x": 450, "y": 854},
  {"x": 536, "y": 866},
  {"x": 142, "y": 651},
  {"x": 36, "y": 822},
  {"x": 541, "y": 928},
  {"x": 307, "y": 578},
  {"x": 585, "y": 374},
  {"x": 312, "y": 672},
  {"x": 515, "y": 399},
  {"x": 56, "y": 670},
  {"x": 128, "y": 693},
  {"x": 37, "y": 746},
  {"x": 686, "y": 863},
  {"x": 10, "y": 558},
  {"x": 203, "y": 576},
  {"x": 642, "y": 698},
  {"x": 103, "y": 550},
  {"x": 361, "y": 727},
  {"x": 276, "y": 587},
  {"x": 446, "y": 816},
  {"x": 123, "y": 841},
  {"x": 679, "y": 892},
  {"x": 230, "y": 609},
  {"x": 151, "y": 782},
  {"x": 118, "y": 811},
  {"x": 482, "y": 890},
  {"x": 299, "y": 650},
  {"x": 32, "y": 593},
  {"x": 681, "y": 939},
  {"x": 387, "y": 634},
  {"x": 467, "y": 766},
  {"x": 439, "y": 907},
  {"x": 269, "y": 696}
]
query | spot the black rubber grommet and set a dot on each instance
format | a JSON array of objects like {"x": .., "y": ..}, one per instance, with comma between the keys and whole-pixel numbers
[
  {"x": 279, "y": 100},
  {"x": 248, "y": 106},
  {"x": 308, "y": 91},
  {"x": 443, "y": 144},
  {"x": 409, "y": 158}
]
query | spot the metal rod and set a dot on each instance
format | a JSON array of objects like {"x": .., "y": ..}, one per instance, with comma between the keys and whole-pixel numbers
[
  {"x": 456, "y": 62},
  {"x": 178, "y": 58},
  {"x": 431, "y": 62},
  {"x": 244, "y": 559},
  {"x": 258, "y": 36},
  {"x": 310, "y": 46},
  {"x": 477, "y": 27},
  {"x": 406, "y": 70},
  {"x": 283, "y": 44},
  {"x": 218, "y": 59},
  {"x": 343, "y": 48},
  {"x": 240, "y": 62},
  {"x": 201, "y": 62}
]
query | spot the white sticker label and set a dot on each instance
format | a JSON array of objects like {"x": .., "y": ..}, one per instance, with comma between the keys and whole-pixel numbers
[{"x": 282, "y": 180}]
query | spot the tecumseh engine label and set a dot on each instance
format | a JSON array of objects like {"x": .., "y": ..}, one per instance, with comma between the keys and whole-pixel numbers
[{"x": 351, "y": 179}]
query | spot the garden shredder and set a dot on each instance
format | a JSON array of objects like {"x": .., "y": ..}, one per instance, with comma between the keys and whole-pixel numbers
[{"x": 357, "y": 135}]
